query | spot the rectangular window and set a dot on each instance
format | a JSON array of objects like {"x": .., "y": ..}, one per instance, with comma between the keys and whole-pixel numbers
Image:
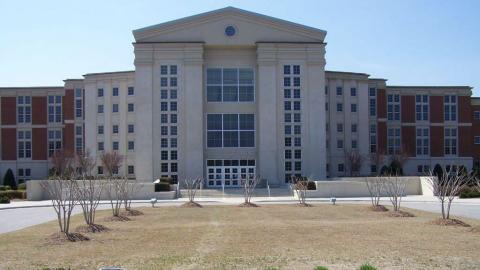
[
  {"x": 339, "y": 91},
  {"x": 339, "y": 107},
  {"x": 131, "y": 145},
  {"x": 131, "y": 107},
  {"x": 354, "y": 128},
  {"x": 230, "y": 85},
  {"x": 99, "y": 130},
  {"x": 100, "y": 92},
  {"x": 131, "y": 128},
  {"x": 24, "y": 109},
  {"x": 79, "y": 144},
  {"x": 476, "y": 115},
  {"x": 298, "y": 141},
  {"x": 173, "y": 142},
  {"x": 477, "y": 140},
  {"x": 422, "y": 141},
  {"x": 450, "y": 108},
  {"x": 450, "y": 141},
  {"x": 78, "y": 108},
  {"x": 339, "y": 127},
  {"x": 163, "y": 94},
  {"x": 230, "y": 130},
  {"x": 340, "y": 144},
  {"x": 115, "y": 108},
  {"x": 353, "y": 107},
  {"x": 115, "y": 129},
  {"x": 163, "y": 106},
  {"x": 54, "y": 141},
  {"x": 131, "y": 169},
  {"x": 393, "y": 141},
  {"x": 393, "y": 107},
  {"x": 354, "y": 144},
  {"x": 373, "y": 138},
  {"x": 115, "y": 91},
  {"x": 54, "y": 109},
  {"x": 131, "y": 91},
  {"x": 100, "y": 108},
  {"x": 24, "y": 175},
  {"x": 100, "y": 146},
  {"x": 372, "y": 92},
  {"x": 99, "y": 170},
  {"x": 173, "y": 106},
  {"x": 353, "y": 92},
  {"x": 341, "y": 167},
  {"x": 372, "y": 106},
  {"x": 421, "y": 107},
  {"x": 24, "y": 144},
  {"x": 115, "y": 145}
]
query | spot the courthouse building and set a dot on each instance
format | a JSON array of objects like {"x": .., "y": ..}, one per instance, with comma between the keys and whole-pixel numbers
[{"x": 228, "y": 93}]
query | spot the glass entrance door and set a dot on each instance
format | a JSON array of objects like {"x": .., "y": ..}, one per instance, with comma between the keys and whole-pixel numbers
[{"x": 228, "y": 173}]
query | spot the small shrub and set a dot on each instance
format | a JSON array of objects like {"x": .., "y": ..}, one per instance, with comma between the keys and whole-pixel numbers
[
  {"x": 22, "y": 186},
  {"x": 14, "y": 194},
  {"x": 9, "y": 179},
  {"x": 3, "y": 188},
  {"x": 311, "y": 185},
  {"x": 4, "y": 199},
  {"x": 367, "y": 266},
  {"x": 162, "y": 186},
  {"x": 167, "y": 180},
  {"x": 469, "y": 192},
  {"x": 321, "y": 268}
]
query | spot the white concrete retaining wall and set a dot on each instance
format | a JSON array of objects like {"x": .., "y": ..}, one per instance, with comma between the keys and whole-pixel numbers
[
  {"x": 356, "y": 187},
  {"x": 144, "y": 191}
]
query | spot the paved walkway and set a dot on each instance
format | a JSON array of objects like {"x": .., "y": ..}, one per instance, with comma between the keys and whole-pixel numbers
[{"x": 22, "y": 214}]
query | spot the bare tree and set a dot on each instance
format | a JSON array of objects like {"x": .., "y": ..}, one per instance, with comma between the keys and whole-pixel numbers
[
  {"x": 192, "y": 185},
  {"x": 378, "y": 159},
  {"x": 89, "y": 190},
  {"x": 62, "y": 163},
  {"x": 375, "y": 186},
  {"x": 447, "y": 186},
  {"x": 299, "y": 186},
  {"x": 398, "y": 159},
  {"x": 131, "y": 187},
  {"x": 115, "y": 185},
  {"x": 354, "y": 162},
  {"x": 63, "y": 195},
  {"x": 249, "y": 183},
  {"x": 395, "y": 188}
]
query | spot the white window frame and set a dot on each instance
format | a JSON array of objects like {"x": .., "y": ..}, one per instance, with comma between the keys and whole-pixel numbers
[
  {"x": 57, "y": 108},
  {"x": 422, "y": 144},
  {"x": 450, "y": 109},
  {"x": 393, "y": 107},
  {"x": 238, "y": 130},
  {"x": 450, "y": 141},
  {"x": 394, "y": 140},
  {"x": 238, "y": 85},
  {"x": 24, "y": 109},
  {"x": 422, "y": 107},
  {"x": 55, "y": 142},
  {"x": 24, "y": 144}
]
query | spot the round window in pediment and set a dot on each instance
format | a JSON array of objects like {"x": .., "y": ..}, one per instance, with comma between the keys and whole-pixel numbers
[{"x": 230, "y": 31}]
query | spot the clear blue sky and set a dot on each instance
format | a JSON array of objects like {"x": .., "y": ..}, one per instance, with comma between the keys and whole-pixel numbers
[{"x": 409, "y": 42}]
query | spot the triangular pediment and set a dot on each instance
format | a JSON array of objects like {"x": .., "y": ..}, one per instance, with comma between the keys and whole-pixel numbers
[{"x": 215, "y": 28}]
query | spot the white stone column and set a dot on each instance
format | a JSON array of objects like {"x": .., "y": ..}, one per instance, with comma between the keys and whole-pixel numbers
[
  {"x": 267, "y": 161},
  {"x": 144, "y": 75},
  {"x": 193, "y": 112},
  {"x": 315, "y": 155}
]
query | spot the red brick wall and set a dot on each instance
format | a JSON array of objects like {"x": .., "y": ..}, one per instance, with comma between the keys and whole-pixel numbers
[
  {"x": 68, "y": 105},
  {"x": 408, "y": 140},
  {"x": 39, "y": 110},
  {"x": 408, "y": 109},
  {"x": 436, "y": 141},
  {"x": 464, "y": 109},
  {"x": 382, "y": 137},
  {"x": 9, "y": 110},
  {"x": 465, "y": 141},
  {"x": 436, "y": 109},
  {"x": 381, "y": 103},
  {"x": 9, "y": 143},
  {"x": 69, "y": 138},
  {"x": 39, "y": 144},
  {"x": 475, "y": 132}
]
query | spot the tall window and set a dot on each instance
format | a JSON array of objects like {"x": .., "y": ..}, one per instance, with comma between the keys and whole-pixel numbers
[
  {"x": 373, "y": 138},
  {"x": 79, "y": 138},
  {"x": 421, "y": 107},
  {"x": 24, "y": 109},
  {"x": 450, "y": 141},
  {"x": 230, "y": 130},
  {"x": 230, "y": 85},
  {"x": 54, "y": 109},
  {"x": 79, "y": 103},
  {"x": 353, "y": 92},
  {"x": 54, "y": 141},
  {"x": 393, "y": 107},
  {"x": 24, "y": 143},
  {"x": 372, "y": 93},
  {"x": 423, "y": 141},
  {"x": 450, "y": 108},
  {"x": 393, "y": 141}
]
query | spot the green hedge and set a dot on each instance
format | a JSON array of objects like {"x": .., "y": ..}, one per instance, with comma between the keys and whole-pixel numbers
[
  {"x": 162, "y": 186},
  {"x": 3, "y": 188},
  {"x": 14, "y": 194},
  {"x": 4, "y": 199},
  {"x": 22, "y": 186},
  {"x": 469, "y": 192}
]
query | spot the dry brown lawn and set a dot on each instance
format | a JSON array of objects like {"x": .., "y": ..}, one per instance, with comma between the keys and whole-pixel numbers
[{"x": 229, "y": 237}]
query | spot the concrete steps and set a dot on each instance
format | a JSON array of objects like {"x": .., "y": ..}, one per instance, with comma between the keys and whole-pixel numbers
[{"x": 238, "y": 192}]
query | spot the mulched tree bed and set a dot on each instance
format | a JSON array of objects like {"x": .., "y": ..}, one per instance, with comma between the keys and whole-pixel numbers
[
  {"x": 191, "y": 205},
  {"x": 400, "y": 213},
  {"x": 93, "y": 228},
  {"x": 378, "y": 208},
  {"x": 116, "y": 218},
  {"x": 449, "y": 222},
  {"x": 132, "y": 213},
  {"x": 303, "y": 205},
  {"x": 248, "y": 204},
  {"x": 60, "y": 238}
]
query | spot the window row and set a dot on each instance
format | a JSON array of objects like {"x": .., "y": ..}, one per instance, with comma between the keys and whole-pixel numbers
[
  {"x": 115, "y": 92},
  {"x": 130, "y": 170},
  {"x": 115, "y": 129},
  {"x": 130, "y": 146},
  {"x": 115, "y": 108}
]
